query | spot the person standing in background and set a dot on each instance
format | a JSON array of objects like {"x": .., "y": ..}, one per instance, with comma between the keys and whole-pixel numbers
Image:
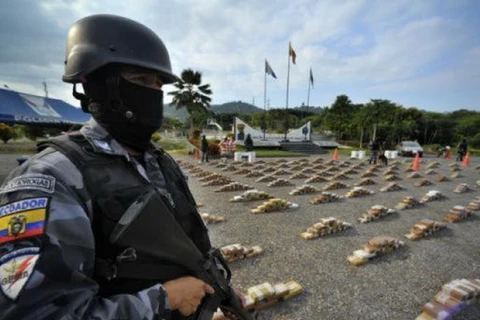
[
  {"x": 462, "y": 150},
  {"x": 249, "y": 143},
  {"x": 224, "y": 148},
  {"x": 374, "y": 148},
  {"x": 204, "y": 148},
  {"x": 232, "y": 147}
]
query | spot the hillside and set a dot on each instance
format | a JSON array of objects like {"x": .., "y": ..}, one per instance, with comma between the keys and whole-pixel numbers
[
  {"x": 229, "y": 107},
  {"x": 235, "y": 107}
]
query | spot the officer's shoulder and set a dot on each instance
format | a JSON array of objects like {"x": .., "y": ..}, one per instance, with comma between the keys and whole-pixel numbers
[{"x": 52, "y": 161}]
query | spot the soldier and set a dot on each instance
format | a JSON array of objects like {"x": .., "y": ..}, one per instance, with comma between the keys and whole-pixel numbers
[
  {"x": 374, "y": 148},
  {"x": 61, "y": 255}
]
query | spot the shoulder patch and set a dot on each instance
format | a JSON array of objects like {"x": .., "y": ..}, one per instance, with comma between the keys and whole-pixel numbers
[
  {"x": 16, "y": 268},
  {"x": 23, "y": 219},
  {"x": 39, "y": 182}
]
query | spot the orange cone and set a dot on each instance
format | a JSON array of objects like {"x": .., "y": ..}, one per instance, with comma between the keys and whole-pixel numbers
[
  {"x": 416, "y": 162},
  {"x": 335, "y": 155},
  {"x": 448, "y": 155},
  {"x": 466, "y": 160}
]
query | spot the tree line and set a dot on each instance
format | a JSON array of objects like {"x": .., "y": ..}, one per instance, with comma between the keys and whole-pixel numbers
[{"x": 379, "y": 118}]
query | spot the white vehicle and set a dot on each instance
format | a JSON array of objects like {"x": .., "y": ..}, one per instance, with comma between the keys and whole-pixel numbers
[{"x": 410, "y": 148}]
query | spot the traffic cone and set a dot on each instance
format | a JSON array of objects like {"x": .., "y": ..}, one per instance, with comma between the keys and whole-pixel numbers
[
  {"x": 448, "y": 155},
  {"x": 416, "y": 162},
  {"x": 335, "y": 155},
  {"x": 466, "y": 160}
]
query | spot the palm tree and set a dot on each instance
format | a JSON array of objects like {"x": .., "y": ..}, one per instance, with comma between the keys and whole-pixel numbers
[{"x": 191, "y": 94}]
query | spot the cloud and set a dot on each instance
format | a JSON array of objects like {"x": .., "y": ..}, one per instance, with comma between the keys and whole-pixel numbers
[{"x": 360, "y": 48}]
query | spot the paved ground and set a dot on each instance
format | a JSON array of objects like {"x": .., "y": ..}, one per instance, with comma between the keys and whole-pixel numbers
[{"x": 395, "y": 286}]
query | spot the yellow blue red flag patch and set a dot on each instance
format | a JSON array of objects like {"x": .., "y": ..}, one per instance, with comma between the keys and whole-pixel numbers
[{"x": 23, "y": 219}]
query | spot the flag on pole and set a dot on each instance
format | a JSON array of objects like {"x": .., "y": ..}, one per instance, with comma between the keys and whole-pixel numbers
[
  {"x": 292, "y": 53},
  {"x": 311, "y": 77},
  {"x": 269, "y": 70}
]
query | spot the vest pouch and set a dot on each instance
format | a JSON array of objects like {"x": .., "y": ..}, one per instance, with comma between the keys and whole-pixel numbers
[
  {"x": 149, "y": 226},
  {"x": 112, "y": 206}
]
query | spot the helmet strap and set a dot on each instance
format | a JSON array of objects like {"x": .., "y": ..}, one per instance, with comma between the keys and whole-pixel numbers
[
  {"x": 114, "y": 100},
  {"x": 84, "y": 100}
]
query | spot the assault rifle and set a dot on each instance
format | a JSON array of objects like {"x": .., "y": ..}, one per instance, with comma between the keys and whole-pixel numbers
[{"x": 150, "y": 228}]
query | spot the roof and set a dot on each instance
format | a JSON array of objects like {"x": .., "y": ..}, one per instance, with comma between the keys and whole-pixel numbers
[{"x": 18, "y": 107}]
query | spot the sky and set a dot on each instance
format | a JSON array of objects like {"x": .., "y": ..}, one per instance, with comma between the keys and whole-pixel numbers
[{"x": 420, "y": 53}]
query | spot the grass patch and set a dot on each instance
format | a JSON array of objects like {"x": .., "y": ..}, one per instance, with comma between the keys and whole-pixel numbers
[
  {"x": 169, "y": 145},
  {"x": 276, "y": 153},
  {"x": 269, "y": 152},
  {"x": 473, "y": 151},
  {"x": 13, "y": 147},
  {"x": 179, "y": 152}
]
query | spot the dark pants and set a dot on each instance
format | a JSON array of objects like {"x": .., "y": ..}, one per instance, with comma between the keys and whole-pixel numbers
[
  {"x": 204, "y": 156},
  {"x": 373, "y": 157}
]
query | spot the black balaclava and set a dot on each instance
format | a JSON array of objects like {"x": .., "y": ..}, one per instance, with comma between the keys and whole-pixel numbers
[{"x": 129, "y": 112}]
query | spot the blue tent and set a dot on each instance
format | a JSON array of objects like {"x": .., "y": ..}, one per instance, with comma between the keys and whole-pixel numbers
[{"x": 17, "y": 107}]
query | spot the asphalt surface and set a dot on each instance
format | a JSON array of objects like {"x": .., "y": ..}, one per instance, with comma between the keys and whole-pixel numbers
[{"x": 394, "y": 286}]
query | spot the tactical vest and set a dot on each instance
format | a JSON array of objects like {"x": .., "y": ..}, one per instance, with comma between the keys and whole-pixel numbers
[{"x": 113, "y": 184}]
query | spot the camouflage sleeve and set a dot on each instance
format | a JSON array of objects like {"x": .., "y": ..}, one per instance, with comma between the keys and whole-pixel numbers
[{"x": 47, "y": 249}]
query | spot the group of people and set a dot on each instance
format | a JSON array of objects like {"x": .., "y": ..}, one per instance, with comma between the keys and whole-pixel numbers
[
  {"x": 462, "y": 149},
  {"x": 228, "y": 147}
]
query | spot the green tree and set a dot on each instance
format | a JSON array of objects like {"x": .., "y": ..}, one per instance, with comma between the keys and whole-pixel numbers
[
  {"x": 192, "y": 95},
  {"x": 469, "y": 126},
  {"x": 33, "y": 132},
  {"x": 6, "y": 132},
  {"x": 171, "y": 123},
  {"x": 339, "y": 116}
]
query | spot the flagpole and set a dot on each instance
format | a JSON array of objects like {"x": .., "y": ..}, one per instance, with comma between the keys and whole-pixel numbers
[
  {"x": 264, "y": 99},
  {"x": 308, "y": 95},
  {"x": 288, "y": 85}
]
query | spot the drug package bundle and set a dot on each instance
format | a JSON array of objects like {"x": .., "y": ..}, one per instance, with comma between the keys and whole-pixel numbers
[
  {"x": 275, "y": 204},
  {"x": 234, "y": 186},
  {"x": 408, "y": 202},
  {"x": 453, "y": 297},
  {"x": 211, "y": 218},
  {"x": 392, "y": 186},
  {"x": 375, "y": 247},
  {"x": 326, "y": 197},
  {"x": 358, "y": 192},
  {"x": 265, "y": 295},
  {"x": 251, "y": 195},
  {"x": 305, "y": 189},
  {"x": 424, "y": 228},
  {"x": 432, "y": 195},
  {"x": 374, "y": 213},
  {"x": 457, "y": 214},
  {"x": 236, "y": 252},
  {"x": 325, "y": 227}
]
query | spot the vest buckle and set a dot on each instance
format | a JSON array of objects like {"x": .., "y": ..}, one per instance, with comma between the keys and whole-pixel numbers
[{"x": 128, "y": 254}]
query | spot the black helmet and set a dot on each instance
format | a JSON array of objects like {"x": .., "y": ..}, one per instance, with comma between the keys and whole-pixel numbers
[{"x": 98, "y": 40}]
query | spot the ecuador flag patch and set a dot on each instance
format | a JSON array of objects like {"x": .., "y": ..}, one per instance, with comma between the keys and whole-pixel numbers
[{"x": 23, "y": 219}]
